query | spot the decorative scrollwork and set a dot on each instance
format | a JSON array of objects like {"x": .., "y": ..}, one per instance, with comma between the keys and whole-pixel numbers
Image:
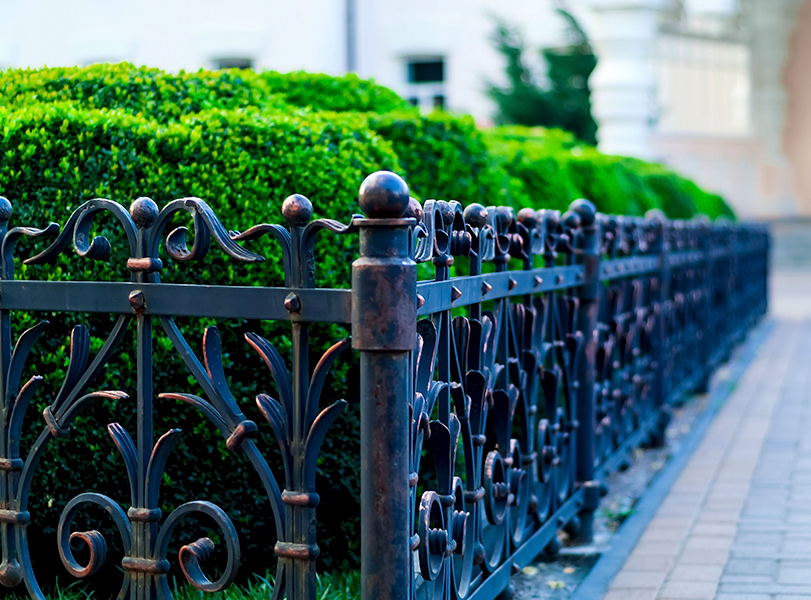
[
  {"x": 92, "y": 540},
  {"x": 192, "y": 555},
  {"x": 586, "y": 329}
]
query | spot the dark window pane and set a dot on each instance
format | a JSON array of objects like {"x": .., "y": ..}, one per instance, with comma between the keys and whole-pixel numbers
[
  {"x": 439, "y": 101},
  {"x": 432, "y": 71},
  {"x": 414, "y": 101}
]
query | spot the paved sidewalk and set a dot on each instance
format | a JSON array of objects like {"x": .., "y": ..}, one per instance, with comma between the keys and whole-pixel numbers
[{"x": 737, "y": 523}]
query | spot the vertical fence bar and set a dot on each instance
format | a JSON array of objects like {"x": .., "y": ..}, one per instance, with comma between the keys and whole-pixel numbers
[
  {"x": 588, "y": 252},
  {"x": 384, "y": 330}
]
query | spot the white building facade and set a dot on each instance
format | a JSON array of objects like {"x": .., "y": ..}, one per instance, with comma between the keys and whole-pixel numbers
[{"x": 715, "y": 88}]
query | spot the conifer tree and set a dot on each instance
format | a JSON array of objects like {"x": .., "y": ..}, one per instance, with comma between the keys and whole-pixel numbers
[{"x": 563, "y": 100}]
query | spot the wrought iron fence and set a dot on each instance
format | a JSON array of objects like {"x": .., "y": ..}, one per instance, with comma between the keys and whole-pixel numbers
[{"x": 496, "y": 390}]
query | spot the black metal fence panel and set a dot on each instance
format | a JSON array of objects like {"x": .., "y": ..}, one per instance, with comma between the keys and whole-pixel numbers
[{"x": 507, "y": 363}]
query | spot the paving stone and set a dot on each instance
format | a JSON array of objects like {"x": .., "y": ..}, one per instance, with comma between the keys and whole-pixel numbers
[
  {"x": 754, "y": 588},
  {"x": 638, "y": 579},
  {"x": 668, "y": 522},
  {"x": 689, "y": 572},
  {"x": 704, "y": 590},
  {"x": 649, "y": 563},
  {"x": 704, "y": 556},
  {"x": 760, "y": 579},
  {"x": 794, "y": 574},
  {"x": 796, "y": 546},
  {"x": 657, "y": 548},
  {"x": 631, "y": 594},
  {"x": 751, "y": 566},
  {"x": 702, "y": 542},
  {"x": 703, "y": 527},
  {"x": 664, "y": 534}
]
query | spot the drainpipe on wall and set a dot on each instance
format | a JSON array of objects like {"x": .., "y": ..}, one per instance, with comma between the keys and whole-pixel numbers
[{"x": 351, "y": 49}]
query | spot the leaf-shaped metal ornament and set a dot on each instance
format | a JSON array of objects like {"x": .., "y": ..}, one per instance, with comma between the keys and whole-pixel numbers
[
  {"x": 206, "y": 226},
  {"x": 77, "y": 230}
]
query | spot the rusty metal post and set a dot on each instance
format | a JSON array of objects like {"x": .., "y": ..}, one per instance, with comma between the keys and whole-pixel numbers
[
  {"x": 588, "y": 252},
  {"x": 384, "y": 330}
]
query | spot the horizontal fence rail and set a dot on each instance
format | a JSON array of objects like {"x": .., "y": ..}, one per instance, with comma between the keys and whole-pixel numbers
[{"x": 507, "y": 363}]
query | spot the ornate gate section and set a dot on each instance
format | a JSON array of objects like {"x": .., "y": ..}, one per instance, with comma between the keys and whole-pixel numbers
[{"x": 497, "y": 387}]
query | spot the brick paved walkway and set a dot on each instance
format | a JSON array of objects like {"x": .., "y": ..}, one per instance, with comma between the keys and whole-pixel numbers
[{"x": 737, "y": 523}]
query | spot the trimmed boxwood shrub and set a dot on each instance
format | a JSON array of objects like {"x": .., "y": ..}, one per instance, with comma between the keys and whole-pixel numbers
[
  {"x": 441, "y": 156},
  {"x": 55, "y": 155},
  {"x": 554, "y": 166},
  {"x": 243, "y": 141},
  {"x": 165, "y": 96}
]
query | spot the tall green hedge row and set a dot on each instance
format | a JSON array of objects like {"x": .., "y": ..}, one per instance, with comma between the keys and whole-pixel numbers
[
  {"x": 243, "y": 141},
  {"x": 553, "y": 166}
]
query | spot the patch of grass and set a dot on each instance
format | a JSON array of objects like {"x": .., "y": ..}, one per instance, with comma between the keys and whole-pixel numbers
[
  {"x": 617, "y": 511},
  {"x": 331, "y": 586}
]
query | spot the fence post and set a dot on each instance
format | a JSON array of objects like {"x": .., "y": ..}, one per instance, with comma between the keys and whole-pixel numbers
[
  {"x": 384, "y": 330},
  {"x": 655, "y": 220},
  {"x": 588, "y": 253},
  {"x": 707, "y": 320}
]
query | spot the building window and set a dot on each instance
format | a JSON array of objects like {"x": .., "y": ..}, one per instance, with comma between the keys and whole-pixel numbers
[
  {"x": 425, "y": 82},
  {"x": 232, "y": 63},
  {"x": 426, "y": 71}
]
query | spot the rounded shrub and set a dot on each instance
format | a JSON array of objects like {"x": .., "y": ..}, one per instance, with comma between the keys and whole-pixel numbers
[
  {"x": 243, "y": 163},
  {"x": 442, "y": 156}
]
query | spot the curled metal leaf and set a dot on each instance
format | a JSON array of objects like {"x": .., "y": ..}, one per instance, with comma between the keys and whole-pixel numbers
[
  {"x": 77, "y": 230},
  {"x": 126, "y": 447},
  {"x": 318, "y": 431},
  {"x": 206, "y": 226}
]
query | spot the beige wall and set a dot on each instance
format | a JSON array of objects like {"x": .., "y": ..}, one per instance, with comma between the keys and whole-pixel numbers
[{"x": 797, "y": 133}]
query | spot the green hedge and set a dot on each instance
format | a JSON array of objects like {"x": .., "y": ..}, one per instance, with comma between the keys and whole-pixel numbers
[
  {"x": 554, "y": 166},
  {"x": 243, "y": 141},
  {"x": 164, "y": 97},
  {"x": 244, "y": 163},
  {"x": 441, "y": 156}
]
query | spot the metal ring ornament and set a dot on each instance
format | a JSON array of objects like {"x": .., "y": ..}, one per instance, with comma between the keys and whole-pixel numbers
[
  {"x": 69, "y": 542},
  {"x": 463, "y": 533},
  {"x": 192, "y": 555},
  {"x": 519, "y": 482},
  {"x": 435, "y": 541},
  {"x": 565, "y": 474},
  {"x": 497, "y": 496}
]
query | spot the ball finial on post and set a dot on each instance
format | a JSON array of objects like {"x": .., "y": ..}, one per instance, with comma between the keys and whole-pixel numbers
[
  {"x": 528, "y": 217},
  {"x": 383, "y": 195},
  {"x": 5, "y": 210},
  {"x": 413, "y": 210},
  {"x": 572, "y": 220},
  {"x": 656, "y": 216},
  {"x": 297, "y": 210},
  {"x": 144, "y": 212},
  {"x": 476, "y": 215},
  {"x": 586, "y": 210}
]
